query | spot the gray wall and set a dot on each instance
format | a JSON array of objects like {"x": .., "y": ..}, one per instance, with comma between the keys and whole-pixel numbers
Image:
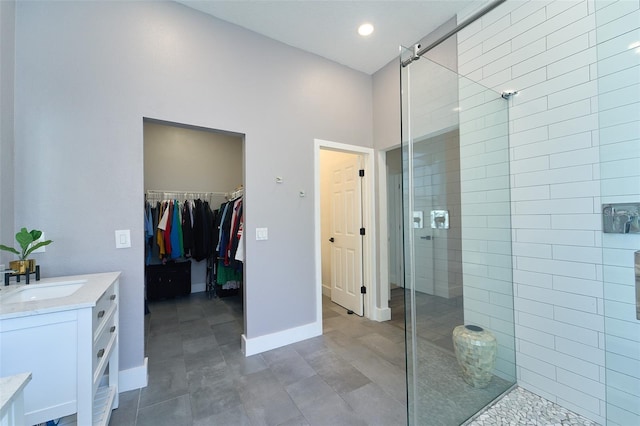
[
  {"x": 86, "y": 75},
  {"x": 386, "y": 87},
  {"x": 7, "y": 63}
]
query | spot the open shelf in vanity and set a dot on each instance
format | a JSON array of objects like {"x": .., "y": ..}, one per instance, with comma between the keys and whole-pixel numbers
[{"x": 68, "y": 344}]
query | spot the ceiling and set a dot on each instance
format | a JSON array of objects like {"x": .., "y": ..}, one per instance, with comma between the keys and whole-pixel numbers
[{"x": 329, "y": 28}]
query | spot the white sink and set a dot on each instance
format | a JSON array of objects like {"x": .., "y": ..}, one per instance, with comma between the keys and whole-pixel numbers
[{"x": 35, "y": 292}]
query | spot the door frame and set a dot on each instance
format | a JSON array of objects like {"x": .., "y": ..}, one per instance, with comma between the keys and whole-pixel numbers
[{"x": 368, "y": 212}]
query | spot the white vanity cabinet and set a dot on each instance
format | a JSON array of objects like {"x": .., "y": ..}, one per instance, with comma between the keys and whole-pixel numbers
[{"x": 68, "y": 344}]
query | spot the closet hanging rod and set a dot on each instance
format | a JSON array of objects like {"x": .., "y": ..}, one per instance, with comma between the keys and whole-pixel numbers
[
  {"x": 235, "y": 194},
  {"x": 157, "y": 191}
]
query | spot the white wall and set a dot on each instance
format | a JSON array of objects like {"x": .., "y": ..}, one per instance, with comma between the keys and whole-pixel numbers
[
  {"x": 86, "y": 74},
  {"x": 7, "y": 64},
  {"x": 486, "y": 222},
  {"x": 547, "y": 50},
  {"x": 618, "y": 28}
]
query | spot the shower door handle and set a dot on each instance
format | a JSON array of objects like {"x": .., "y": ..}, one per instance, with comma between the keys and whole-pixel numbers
[{"x": 426, "y": 237}]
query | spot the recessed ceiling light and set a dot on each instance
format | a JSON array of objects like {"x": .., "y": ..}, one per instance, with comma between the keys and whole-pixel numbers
[{"x": 365, "y": 29}]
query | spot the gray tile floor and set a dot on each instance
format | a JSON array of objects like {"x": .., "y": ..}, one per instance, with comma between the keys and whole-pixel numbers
[{"x": 352, "y": 375}]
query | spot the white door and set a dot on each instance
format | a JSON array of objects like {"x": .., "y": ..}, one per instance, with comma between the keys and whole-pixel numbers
[{"x": 346, "y": 241}]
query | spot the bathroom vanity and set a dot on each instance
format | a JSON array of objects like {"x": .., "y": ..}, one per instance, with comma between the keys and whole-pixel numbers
[{"x": 64, "y": 331}]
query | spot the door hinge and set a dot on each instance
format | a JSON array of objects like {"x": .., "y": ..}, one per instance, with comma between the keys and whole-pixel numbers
[
  {"x": 361, "y": 172},
  {"x": 363, "y": 290},
  {"x": 362, "y": 232}
]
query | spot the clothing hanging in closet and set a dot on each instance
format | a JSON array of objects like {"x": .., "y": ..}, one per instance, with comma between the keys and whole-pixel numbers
[
  {"x": 229, "y": 248},
  {"x": 176, "y": 229}
]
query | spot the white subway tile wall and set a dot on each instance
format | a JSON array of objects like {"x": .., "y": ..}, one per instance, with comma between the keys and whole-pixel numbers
[
  {"x": 553, "y": 52},
  {"x": 618, "y": 28},
  {"x": 486, "y": 211},
  {"x": 574, "y": 144}
]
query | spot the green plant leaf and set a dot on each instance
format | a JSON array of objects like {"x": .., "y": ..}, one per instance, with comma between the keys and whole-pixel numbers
[
  {"x": 10, "y": 249},
  {"x": 24, "y": 238},
  {"x": 35, "y": 234},
  {"x": 36, "y": 246}
]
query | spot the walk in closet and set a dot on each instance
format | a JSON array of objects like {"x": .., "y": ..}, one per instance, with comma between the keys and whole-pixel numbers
[{"x": 193, "y": 211}]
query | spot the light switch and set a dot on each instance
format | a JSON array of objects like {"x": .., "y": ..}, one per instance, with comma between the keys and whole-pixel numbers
[
  {"x": 262, "y": 234},
  {"x": 123, "y": 238}
]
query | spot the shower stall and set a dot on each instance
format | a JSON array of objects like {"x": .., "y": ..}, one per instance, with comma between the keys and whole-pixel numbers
[{"x": 457, "y": 243}]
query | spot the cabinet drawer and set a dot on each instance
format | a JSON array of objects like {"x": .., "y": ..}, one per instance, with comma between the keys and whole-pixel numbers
[
  {"x": 103, "y": 307},
  {"x": 102, "y": 345}
]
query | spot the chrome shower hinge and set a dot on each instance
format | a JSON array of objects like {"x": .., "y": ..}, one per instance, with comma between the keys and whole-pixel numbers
[{"x": 507, "y": 94}]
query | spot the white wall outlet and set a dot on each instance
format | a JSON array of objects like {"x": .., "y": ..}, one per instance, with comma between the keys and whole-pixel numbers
[
  {"x": 123, "y": 238},
  {"x": 40, "y": 249}
]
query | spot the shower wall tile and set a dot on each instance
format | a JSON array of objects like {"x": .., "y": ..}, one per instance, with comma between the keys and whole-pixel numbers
[
  {"x": 578, "y": 286},
  {"x": 623, "y": 78},
  {"x": 577, "y": 253},
  {"x": 556, "y": 85},
  {"x": 574, "y": 158},
  {"x": 568, "y": 362},
  {"x": 531, "y": 192},
  {"x": 549, "y": 52},
  {"x": 551, "y": 176},
  {"x": 532, "y": 250},
  {"x": 579, "y": 58},
  {"x": 581, "y": 26},
  {"x": 574, "y": 189},
  {"x": 572, "y": 206},
  {"x": 554, "y": 192},
  {"x": 560, "y": 298},
  {"x": 577, "y": 381},
  {"x": 556, "y": 328},
  {"x": 572, "y": 92},
  {"x": 573, "y": 126},
  {"x": 538, "y": 279}
]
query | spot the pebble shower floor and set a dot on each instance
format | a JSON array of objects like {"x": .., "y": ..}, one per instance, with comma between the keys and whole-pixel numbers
[{"x": 521, "y": 407}]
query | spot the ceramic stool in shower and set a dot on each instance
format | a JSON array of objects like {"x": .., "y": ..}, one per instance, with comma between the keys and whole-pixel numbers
[{"x": 475, "y": 350}]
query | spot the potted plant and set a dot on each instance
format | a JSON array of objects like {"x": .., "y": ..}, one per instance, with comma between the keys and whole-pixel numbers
[{"x": 25, "y": 239}]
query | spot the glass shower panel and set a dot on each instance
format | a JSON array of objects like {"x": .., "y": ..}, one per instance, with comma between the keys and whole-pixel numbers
[{"x": 457, "y": 238}]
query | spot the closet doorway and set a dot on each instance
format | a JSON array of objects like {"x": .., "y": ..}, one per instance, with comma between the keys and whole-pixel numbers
[
  {"x": 190, "y": 163},
  {"x": 345, "y": 235}
]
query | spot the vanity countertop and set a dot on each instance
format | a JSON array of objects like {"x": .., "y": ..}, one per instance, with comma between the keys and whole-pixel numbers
[
  {"x": 94, "y": 285},
  {"x": 11, "y": 386}
]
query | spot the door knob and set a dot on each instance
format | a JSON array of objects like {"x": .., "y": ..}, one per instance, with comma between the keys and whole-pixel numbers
[{"x": 331, "y": 239}]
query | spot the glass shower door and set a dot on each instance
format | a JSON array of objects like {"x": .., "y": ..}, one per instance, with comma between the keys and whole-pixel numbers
[{"x": 457, "y": 237}]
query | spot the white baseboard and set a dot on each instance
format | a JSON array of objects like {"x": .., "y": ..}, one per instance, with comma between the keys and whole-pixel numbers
[
  {"x": 134, "y": 378},
  {"x": 267, "y": 342},
  {"x": 326, "y": 291},
  {"x": 198, "y": 287},
  {"x": 382, "y": 314}
]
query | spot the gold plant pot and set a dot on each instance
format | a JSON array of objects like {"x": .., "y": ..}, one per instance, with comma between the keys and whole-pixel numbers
[{"x": 21, "y": 266}]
